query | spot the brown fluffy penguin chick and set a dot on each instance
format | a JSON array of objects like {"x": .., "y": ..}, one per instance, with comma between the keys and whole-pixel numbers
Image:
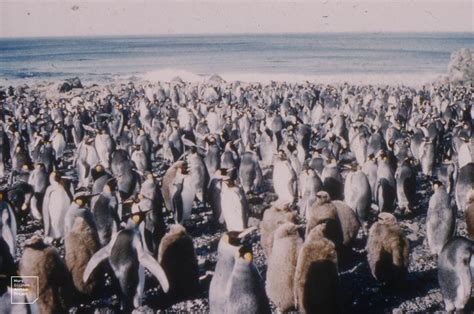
[
  {"x": 387, "y": 250},
  {"x": 350, "y": 224},
  {"x": 178, "y": 259},
  {"x": 80, "y": 244},
  {"x": 324, "y": 211},
  {"x": 316, "y": 276},
  {"x": 281, "y": 268},
  {"x": 272, "y": 218},
  {"x": 470, "y": 214},
  {"x": 42, "y": 260}
]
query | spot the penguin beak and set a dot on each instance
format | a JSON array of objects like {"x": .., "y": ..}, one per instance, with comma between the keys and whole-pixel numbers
[{"x": 246, "y": 232}]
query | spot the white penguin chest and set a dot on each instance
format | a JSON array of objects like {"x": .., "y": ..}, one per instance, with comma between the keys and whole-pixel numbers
[{"x": 232, "y": 208}]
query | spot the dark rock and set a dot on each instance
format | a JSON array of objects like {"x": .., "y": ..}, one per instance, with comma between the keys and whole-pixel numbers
[{"x": 70, "y": 84}]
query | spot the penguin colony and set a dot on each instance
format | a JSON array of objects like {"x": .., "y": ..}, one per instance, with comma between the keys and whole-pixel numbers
[{"x": 102, "y": 184}]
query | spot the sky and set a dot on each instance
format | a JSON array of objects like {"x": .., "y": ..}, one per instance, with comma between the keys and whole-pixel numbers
[{"x": 34, "y": 18}]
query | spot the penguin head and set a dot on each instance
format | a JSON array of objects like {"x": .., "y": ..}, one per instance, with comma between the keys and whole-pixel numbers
[
  {"x": 387, "y": 218},
  {"x": 137, "y": 217},
  {"x": 54, "y": 177},
  {"x": 211, "y": 140},
  {"x": 238, "y": 238},
  {"x": 232, "y": 238},
  {"x": 183, "y": 168},
  {"x": 229, "y": 175},
  {"x": 81, "y": 201},
  {"x": 317, "y": 233},
  {"x": 332, "y": 162},
  {"x": 315, "y": 153},
  {"x": 436, "y": 185},
  {"x": 39, "y": 166},
  {"x": 464, "y": 138},
  {"x": 286, "y": 229},
  {"x": 177, "y": 229},
  {"x": 322, "y": 197},
  {"x": 110, "y": 185},
  {"x": 97, "y": 171},
  {"x": 426, "y": 140},
  {"x": 36, "y": 242},
  {"x": 281, "y": 155},
  {"x": 382, "y": 156},
  {"x": 26, "y": 168},
  {"x": 245, "y": 253},
  {"x": 409, "y": 161}
]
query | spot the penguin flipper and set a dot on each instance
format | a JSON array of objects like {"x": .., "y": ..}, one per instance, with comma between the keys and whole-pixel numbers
[
  {"x": 152, "y": 265},
  {"x": 95, "y": 260}
]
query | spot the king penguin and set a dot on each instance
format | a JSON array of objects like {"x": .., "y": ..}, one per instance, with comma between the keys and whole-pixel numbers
[
  {"x": 454, "y": 273},
  {"x": 128, "y": 258},
  {"x": 440, "y": 219},
  {"x": 228, "y": 246},
  {"x": 284, "y": 179},
  {"x": 245, "y": 289},
  {"x": 55, "y": 205}
]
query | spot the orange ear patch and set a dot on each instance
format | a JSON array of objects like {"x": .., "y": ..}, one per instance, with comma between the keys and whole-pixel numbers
[
  {"x": 136, "y": 219},
  {"x": 248, "y": 257}
]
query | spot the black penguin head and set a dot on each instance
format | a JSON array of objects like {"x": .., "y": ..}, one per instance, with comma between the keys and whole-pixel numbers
[
  {"x": 426, "y": 140},
  {"x": 26, "y": 168},
  {"x": 281, "y": 154},
  {"x": 39, "y": 166},
  {"x": 437, "y": 184},
  {"x": 80, "y": 201},
  {"x": 137, "y": 217},
  {"x": 245, "y": 253},
  {"x": 97, "y": 171},
  {"x": 110, "y": 185},
  {"x": 409, "y": 161},
  {"x": 230, "y": 176}
]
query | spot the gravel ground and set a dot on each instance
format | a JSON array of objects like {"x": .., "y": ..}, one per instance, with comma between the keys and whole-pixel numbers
[{"x": 360, "y": 292}]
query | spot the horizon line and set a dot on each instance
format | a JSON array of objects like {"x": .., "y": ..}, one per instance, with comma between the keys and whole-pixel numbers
[{"x": 233, "y": 34}]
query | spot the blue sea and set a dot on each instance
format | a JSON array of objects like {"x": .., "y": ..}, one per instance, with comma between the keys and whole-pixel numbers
[{"x": 404, "y": 56}]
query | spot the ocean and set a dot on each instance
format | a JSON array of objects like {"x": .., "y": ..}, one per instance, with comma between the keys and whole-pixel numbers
[{"x": 377, "y": 57}]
